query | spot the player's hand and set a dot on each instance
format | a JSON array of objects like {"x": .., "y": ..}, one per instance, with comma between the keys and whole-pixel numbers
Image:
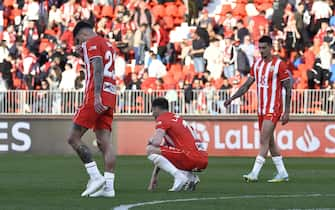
[
  {"x": 152, "y": 185},
  {"x": 285, "y": 118},
  {"x": 227, "y": 102},
  {"x": 98, "y": 106}
]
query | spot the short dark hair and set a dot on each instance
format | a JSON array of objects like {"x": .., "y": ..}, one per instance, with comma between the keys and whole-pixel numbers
[
  {"x": 265, "y": 39},
  {"x": 80, "y": 25},
  {"x": 161, "y": 102}
]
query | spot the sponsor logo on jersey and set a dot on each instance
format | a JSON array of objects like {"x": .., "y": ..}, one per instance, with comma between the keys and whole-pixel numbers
[{"x": 94, "y": 47}]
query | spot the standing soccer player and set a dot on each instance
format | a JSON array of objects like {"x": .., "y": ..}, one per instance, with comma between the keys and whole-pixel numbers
[
  {"x": 97, "y": 110},
  {"x": 270, "y": 74},
  {"x": 180, "y": 155}
]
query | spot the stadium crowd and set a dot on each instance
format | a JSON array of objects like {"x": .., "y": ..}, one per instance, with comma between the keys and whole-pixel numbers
[{"x": 37, "y": 51}]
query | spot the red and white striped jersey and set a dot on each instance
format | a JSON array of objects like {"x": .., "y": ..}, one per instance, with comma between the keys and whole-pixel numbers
[
  {"x": 268, "y": 77},
  {"x": 100, "y": 47}
]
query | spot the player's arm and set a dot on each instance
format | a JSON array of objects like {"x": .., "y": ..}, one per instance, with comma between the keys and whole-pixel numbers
[
  {"x": 98, "y": 75},
  {"x": 154, "y": 179},
  {"x": 157, "y": 138},
  {"x": 241, "y": 91},
  {"x": 288, "y": 87}
]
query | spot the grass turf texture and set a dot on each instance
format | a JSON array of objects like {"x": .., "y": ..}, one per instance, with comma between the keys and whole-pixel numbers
[{"x": 56, "y": 182}]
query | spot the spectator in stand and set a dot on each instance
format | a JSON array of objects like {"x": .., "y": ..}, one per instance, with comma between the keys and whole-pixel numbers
[
  {"x": 258, "y": 26},
  {"x": 197, "y": 52},
  {"x": 139, "y": 44},
  {"x": 214, "y": 59},
  {"x": 319, "y": 37},
  {"x": 242, "y": 31},
  {"x": 229, "y": 58},
  {"x": 330, "y": 38},
  {"x": 249, "y": 49},
  {"x": 4, "y": 53},
  {"x": 9, "y": 36},
  {"x": 188, "y": 94},
  {"x": 68, "y": 10},
  {"x": 32, "y": 9},
  {"x": 143, "y": 16},
  {"x": 67, "y": 38},
  {"x": 156, "y": 68},
  {"x": 6, "y": 71},
  {"x": 31, "y": 37},
  {"x": 68, "y": 78},
  {"x": 79, "y": 83},
  {"x": 223, "y": 95},
  {"x": 162, "y": 40},
  {"x": 3, "y": 89},
  {"x": 292, "y": 37},
  {"x": 1, "y": 18},
  {"x": 209, "y": 92},
  {"x": 301, "y": 26},
  {"x": 41, "y": 103},
  {"x": 102, "y": 28},
  {"x": 204, "y": 20},
  {"x": 135, "y": 83},
  {"x": 321, "y": 12},
  {"x": 54, "y": 15},
  {"x": 332, "y": 71},
  {"x": 326, "y": 59},
  {"x": 193, "y": 12},
  {"x": 230, "y": 21}
]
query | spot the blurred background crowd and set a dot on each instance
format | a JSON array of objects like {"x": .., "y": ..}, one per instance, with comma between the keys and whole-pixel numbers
[{"x": 166, "y": 44}]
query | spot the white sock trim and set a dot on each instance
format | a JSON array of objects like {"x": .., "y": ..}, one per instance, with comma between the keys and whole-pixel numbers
[
  {"x": 91, "y": 164},
  {"x": 109, "y": 175},
  {"x": 92, "y": 169}
]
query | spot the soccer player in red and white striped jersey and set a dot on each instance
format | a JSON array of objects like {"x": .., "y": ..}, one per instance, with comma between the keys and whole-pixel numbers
[{"x": 271, "y": 76}]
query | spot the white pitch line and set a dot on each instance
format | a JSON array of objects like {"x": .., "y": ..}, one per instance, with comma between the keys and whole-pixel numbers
[{"x": 129, "y": 206}]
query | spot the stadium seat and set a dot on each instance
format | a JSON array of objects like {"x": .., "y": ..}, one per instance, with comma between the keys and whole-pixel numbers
[
  {"x": 171, "y": 9},
  {"x": 158, "y": 11},
  {"x": 181, "y": 10},
  {"x": 107, "y": 11},
  {"x": 169, "y": 22},
  {"x": 225, "y": 8}
]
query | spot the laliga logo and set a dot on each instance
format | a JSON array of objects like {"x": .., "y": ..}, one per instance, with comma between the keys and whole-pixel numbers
[
  {"x": 201, "y": 133},
  {"x": 308, "y": 142}
]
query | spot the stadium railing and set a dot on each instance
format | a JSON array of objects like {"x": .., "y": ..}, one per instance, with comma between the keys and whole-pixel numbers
[{"x": 130, "y": 102}]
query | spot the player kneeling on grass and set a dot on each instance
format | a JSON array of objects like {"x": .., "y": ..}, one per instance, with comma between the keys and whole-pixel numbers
[{"x": 180, "y": 155}]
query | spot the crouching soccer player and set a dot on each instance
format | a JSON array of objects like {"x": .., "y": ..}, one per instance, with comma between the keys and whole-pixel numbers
[{"x": 179, "y": 156}]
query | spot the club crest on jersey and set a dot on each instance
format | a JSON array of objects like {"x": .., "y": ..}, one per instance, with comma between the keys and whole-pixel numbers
[
  {"x": 94, "y": 47},
  {"x": 272, "y": 68}
]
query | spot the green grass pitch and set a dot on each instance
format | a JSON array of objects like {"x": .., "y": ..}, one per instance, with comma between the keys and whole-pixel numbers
[{"x": 56, "y": 182}]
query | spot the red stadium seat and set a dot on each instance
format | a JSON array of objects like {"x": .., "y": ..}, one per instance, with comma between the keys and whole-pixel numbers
[
  {"x": 226, "y": 8},
  {"x": 169, "y": 23},
  {"x": 158, "y": 11},
  {"x": 171, "y": 10},
  {"x": 181, "y": 10},
  {"x": 107, "y": 11}
]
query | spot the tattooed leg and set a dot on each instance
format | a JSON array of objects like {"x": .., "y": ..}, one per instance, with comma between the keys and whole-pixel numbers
[
  {"x": 74, "y": 140},
  {"x": 84, "y": 153}
]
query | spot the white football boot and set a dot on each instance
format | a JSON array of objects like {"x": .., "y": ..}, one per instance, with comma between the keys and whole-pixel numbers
[
  {"x": 280, "y": 177},
  {"x": 251, "y": 177},
  {"x": 192, "y": 182},
  {"x": 104, "y": 192},
  {"x": 179, "y": 182},
  {"x": 93, "y": 185}
]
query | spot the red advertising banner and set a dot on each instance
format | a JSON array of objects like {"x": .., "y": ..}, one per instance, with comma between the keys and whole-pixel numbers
[{"x": 238, "y": 138}]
